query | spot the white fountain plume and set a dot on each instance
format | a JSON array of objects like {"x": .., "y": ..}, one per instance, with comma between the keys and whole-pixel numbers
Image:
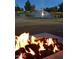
[{"x": 42, "y": 13}]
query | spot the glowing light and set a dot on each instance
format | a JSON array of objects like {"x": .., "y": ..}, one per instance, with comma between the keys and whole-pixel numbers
[{"x": 42, "y": 13}]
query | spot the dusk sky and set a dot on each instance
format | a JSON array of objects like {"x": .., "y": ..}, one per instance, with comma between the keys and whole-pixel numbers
[{"x": 39, "y": 3}]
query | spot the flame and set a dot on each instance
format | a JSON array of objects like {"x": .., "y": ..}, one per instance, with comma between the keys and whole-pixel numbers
[
  {"x": 17, "y": 46},
  {"x": 22, "y": 40},
  {"x": 49, "y": 41},
  {"x": 55, "y": 49},
  {"x": 27, "y": 51},
  {"x": 33, "y": 40},
  {"x": 31, "y": 51},
  {"x": 20, "y": 57},
  {"x": 41, "y": 46}
]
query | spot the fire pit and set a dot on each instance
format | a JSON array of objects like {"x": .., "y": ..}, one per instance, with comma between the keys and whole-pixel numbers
[{"x": 39, "y": 46}]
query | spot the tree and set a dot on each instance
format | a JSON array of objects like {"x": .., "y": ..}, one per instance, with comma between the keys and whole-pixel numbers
[
  {"x": 17, "y": 8},
  {"x": 61, "y": 7},
  {"x": 27, "y": 6},
  {"x": 32, "y": 7},
  {"x": 54, "y": 9}
]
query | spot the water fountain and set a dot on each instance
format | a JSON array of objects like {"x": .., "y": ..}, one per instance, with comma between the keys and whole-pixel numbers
[{"x": 41, "y": 13}]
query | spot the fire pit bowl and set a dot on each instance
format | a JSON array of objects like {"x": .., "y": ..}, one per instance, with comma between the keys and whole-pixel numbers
[
  {"x": 38, "y": 46},
  {"x": 58, "y": 55}
]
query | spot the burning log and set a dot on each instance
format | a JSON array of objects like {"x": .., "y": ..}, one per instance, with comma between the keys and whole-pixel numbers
[
  {"x": 45, "y": 53},
  {"x": 55, "y": 40},
  {"x": 19, "y": 52},
  {"x": 29, "y": 56},
  {"x": 34, "y": 47}
]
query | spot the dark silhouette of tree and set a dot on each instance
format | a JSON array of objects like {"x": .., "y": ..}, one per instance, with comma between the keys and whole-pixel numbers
[
  {"x": 61, "y": 7},
  {"x": 17, "y": 8},
  {"x": 32, "y": 7},
  {"x": 58, "y": 8},
  {"x": 27, "y": 6},
  {"x": 51, "y": 9}
]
